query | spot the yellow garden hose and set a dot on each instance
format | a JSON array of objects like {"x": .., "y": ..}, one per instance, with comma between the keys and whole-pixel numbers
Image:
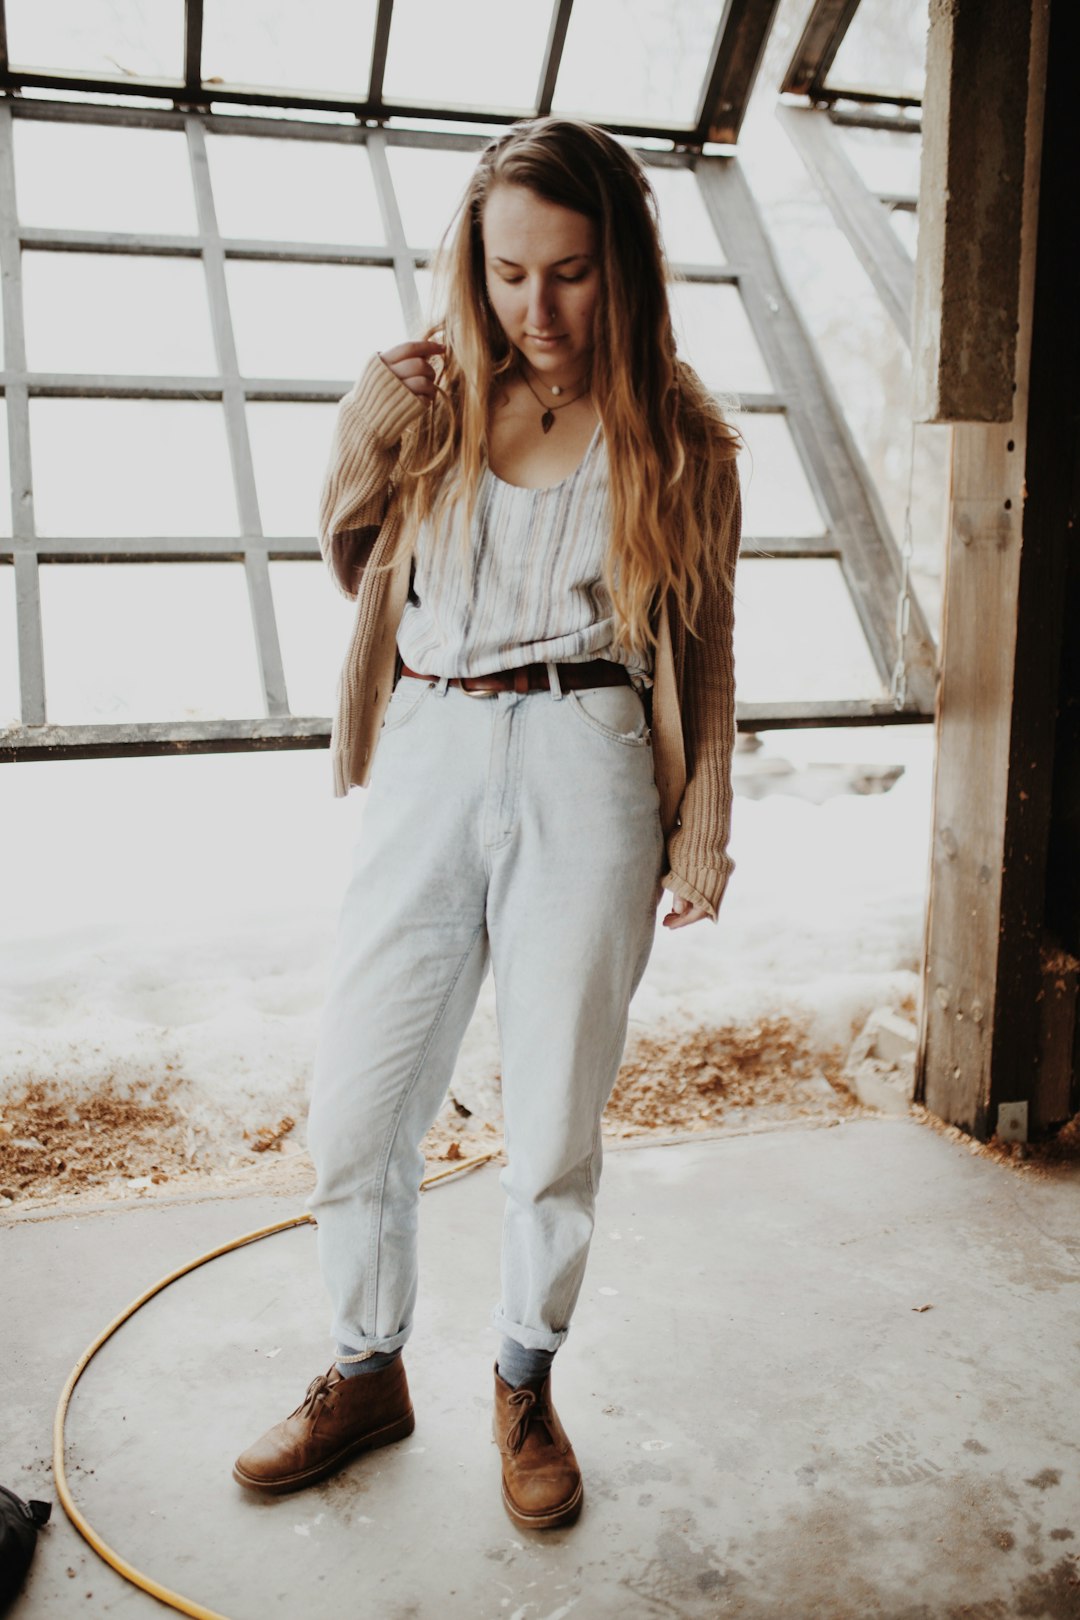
[{"x": 120, "y": 1564}]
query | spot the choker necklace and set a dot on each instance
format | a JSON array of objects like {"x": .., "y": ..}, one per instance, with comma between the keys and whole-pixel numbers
[{"x": 547, "y": 420}]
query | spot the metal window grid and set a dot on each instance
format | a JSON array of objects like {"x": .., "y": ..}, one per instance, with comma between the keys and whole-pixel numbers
[
  {"x": 808, "y": 71},
  {"x": 856, "y": 533},
  {"x": 862, "y": 214},
  {"x": 738, "y": 47}
]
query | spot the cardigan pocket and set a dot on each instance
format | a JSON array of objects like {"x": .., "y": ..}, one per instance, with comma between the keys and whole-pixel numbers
[{"x": 614, "y": 712}]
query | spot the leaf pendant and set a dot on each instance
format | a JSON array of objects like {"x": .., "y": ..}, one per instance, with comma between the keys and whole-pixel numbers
[{"x": 547, "y": 421}]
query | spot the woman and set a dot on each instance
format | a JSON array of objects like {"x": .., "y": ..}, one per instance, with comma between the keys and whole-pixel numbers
[{"x": 540, "y": 509}]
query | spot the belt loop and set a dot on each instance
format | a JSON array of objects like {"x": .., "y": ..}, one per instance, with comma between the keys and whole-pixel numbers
[
  {"x": 443, "y": 685},
  {"x": 553, "y": 679}
]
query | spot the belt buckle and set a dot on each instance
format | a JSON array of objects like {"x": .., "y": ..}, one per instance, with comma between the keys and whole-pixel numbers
[{"x": 480, "y": 691}]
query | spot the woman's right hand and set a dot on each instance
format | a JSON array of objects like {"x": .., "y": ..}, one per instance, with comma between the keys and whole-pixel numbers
[{"x": 411, "y": 363}]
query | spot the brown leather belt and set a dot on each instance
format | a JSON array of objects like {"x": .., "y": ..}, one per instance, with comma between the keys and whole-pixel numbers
[{"x": 534, "y": 677}]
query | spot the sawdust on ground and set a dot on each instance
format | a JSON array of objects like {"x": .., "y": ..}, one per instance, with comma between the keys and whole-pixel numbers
[{"x": 59, "y": 1148}]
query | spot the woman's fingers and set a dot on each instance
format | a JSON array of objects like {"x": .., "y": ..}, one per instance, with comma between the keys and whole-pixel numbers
[
  {"x": 408, "y": 351},
  {"x": 682, "y": 913},
  {"x": 409, "y": 362},
  {"x": 424, "y": 386},
  {"x": 414, "y": 368}
]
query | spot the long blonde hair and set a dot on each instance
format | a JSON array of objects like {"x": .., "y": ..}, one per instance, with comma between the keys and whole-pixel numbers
[{"x": 671, "y": 453}]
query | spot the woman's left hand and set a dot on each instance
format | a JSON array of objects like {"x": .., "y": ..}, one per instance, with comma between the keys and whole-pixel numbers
[{"x": 683, "y": 912}]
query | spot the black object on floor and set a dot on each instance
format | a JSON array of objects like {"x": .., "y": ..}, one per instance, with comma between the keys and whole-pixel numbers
[{"x": 19, "y": 1524}]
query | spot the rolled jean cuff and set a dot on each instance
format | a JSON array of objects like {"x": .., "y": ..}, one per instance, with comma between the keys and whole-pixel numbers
[
  {"x": 342, "y": 1334},
  {"x": 532, "y": 1338}
]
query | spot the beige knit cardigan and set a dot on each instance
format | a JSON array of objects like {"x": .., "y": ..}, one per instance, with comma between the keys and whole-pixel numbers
[{"x": 693, "y": 694}]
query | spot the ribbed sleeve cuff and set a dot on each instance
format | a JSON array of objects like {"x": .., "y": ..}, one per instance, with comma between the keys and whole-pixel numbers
[
  {"x": 385, "y": 403},
  {"x": 704, "y": 887}
]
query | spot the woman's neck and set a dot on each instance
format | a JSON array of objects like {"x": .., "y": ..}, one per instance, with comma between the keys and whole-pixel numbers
[{"x": 553, "y": 385}]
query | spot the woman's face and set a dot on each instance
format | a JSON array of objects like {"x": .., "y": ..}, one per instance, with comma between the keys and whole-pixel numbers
[{"x": 543, "y": 279}]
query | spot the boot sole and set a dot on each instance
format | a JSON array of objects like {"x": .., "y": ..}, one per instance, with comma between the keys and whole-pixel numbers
[
  {"x": 565, "y": 1513},
  {"x": 399, "y": 1430}
]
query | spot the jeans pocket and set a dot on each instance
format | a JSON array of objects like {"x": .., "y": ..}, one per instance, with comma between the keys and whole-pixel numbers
[
  {"x": 615, "y": 712},
  {"x": 405, "y": 699}
]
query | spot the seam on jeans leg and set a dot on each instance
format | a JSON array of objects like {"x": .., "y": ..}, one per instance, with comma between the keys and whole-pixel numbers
[{"x": 391, "y": 1135}]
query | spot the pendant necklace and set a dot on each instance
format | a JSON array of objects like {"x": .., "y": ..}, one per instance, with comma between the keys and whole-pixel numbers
[{"x": 547, "y": 420}]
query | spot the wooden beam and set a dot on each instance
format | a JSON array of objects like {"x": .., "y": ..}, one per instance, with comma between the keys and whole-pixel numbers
[
  {"x": 971, "y": 200},
  {"x": 1039, "y": 936},
  {"x": 1000, "y": 630}
]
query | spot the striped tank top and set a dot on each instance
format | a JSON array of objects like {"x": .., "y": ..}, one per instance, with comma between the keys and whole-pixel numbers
[{"x": 531, "y": 587}]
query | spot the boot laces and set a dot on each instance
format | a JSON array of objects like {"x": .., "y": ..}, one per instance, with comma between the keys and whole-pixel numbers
[
  {"x": 533, "y": 1410},
  {"x": 317, "y": 1391}
]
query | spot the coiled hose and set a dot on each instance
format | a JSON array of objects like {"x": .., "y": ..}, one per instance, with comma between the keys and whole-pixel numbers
[{"x": 175, "y": 1600}]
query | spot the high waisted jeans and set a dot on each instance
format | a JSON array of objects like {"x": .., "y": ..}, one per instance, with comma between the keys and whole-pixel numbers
[{"x": 521, "y": 832}]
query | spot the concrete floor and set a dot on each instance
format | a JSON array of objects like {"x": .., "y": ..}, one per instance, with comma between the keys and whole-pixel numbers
[{"x": 767, "y": 1425}]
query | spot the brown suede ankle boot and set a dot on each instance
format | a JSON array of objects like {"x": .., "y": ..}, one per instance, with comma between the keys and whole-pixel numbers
[
  {"x": 541, "y": 1480},
  {"x": 338, "y": 1417}
]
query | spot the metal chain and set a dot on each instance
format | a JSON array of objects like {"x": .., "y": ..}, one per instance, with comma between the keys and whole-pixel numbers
[{"x": 903, "y": 600}]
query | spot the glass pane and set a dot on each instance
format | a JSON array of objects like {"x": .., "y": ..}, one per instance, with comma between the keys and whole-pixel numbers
[
  {"x": 5, "y": 472},
  {"x": 637, "y": 61},
  {"x": 429, "y": 185},
  {"x": 884, "y": 49},
  {"x": 110, "y": 38},
  {"x": 494, "y": 50},
  {"x": 116, "y": 312},
  {"x": 131, "y": 466},
  {"x": 689, "y": 237},
  {"x": 311, "y": 320},
  {"x": 424, "y": 291},
  {"x": 905, "y": 222},
  {"x": 314, "y": 625},
  {"x": 715, "y": 336},
  {"x": 91, "y": 177},
  {"x": 797, "y": 633},
  {"x": 887, "y": 160},
  {"x": 777, "y": 498},
  {"x": 293, "y": 191},
  {"x": 320, "y": 48},
  {"x": 130, "y": 642},
  {"x": 290, "y": 448},
  {"x": 9, "y": 651}
]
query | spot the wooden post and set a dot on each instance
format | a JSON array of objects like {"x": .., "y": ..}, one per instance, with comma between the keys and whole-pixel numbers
[
  {"x": 975, "y": 124},
  {"x": 990, "y": 1034}
]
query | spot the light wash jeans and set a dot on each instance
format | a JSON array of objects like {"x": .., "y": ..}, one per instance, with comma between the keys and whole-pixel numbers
[{"x": 521, "y": 832}]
